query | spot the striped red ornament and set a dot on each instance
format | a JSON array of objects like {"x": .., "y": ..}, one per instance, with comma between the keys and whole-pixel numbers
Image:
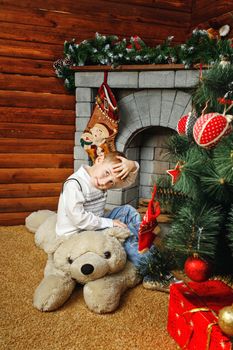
[
  {"x": 182, "y": 123},
  {"x": 210, "y": 128},
  {"x": 186, "y": 123}
]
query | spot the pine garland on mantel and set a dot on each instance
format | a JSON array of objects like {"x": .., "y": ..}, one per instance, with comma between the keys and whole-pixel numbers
[{"x": 109, "y": 50}]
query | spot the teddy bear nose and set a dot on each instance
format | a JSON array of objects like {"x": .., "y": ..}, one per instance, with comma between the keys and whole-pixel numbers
[{"x": 87, "y": 269}]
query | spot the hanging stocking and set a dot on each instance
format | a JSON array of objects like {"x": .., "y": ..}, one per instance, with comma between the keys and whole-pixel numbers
[
  {"x": 146, "y": 235},
  {"x": 101, "y": 130}
]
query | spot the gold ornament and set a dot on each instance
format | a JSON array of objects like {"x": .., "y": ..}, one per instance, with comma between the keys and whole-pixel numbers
[{"x": 225, "y": 320}]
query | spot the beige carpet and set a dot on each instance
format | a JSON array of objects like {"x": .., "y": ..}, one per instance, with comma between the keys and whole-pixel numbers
[{"x": 139, "y": 323}]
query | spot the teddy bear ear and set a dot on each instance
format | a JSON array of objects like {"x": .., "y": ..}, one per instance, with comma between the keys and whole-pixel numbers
[{"x": 118, "y": 232}]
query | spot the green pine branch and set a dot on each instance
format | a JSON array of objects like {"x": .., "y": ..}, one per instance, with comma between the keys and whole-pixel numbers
[
  {"x": 223, "y": 158},
  {"x": 170, "y": 200},
  {"x": 216, "y": 83},
  {"x": 157, "y": 265},
  {"x": 216, "y": 186},
  {"x": 192, "y": 164},
  {"x": 195, "y": 230},
  {"x": 178, "y": 146}
]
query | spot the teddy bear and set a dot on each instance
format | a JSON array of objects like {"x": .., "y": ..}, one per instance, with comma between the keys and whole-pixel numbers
[{"x": 95, "y": 259}]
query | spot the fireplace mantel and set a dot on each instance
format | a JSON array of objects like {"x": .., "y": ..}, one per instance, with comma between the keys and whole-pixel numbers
[
  {"x": 128, "y": 67},
  {"x": 149, "y": 96}
]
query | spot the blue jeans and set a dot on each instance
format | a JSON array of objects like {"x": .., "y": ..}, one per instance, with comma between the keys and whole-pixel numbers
[{"x": 129, "y": 216}]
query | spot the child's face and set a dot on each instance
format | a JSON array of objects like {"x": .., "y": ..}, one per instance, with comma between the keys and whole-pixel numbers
[{"x": 103, "y": 176}]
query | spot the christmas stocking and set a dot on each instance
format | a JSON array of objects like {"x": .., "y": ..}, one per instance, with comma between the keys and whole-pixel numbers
[
  {"x": 146, "y": 235},
  {"x": 99, "y": 136}
]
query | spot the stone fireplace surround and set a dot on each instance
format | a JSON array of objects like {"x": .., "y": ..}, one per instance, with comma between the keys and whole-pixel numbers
[{"x": 150, "y": 104}]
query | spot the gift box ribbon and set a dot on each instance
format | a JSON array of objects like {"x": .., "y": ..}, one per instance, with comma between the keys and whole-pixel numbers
[{"x": 210, "y": 326}]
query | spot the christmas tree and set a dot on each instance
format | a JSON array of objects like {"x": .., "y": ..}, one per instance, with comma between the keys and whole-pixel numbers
[{"x": 199, "y": 190}]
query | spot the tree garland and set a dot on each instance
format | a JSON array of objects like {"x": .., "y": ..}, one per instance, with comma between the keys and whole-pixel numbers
[{"x": 109, "y": 50}]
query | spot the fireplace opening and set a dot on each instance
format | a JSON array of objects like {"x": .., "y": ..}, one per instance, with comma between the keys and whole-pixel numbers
[{"x": 148, "y": 147}]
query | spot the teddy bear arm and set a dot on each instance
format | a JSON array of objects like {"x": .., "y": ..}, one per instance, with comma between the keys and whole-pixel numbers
[
  {"x": 103, "y": 295},
  {"x": 52, "y": 292}
]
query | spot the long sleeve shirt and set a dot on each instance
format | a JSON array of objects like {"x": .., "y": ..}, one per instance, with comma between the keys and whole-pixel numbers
[{"x": 81, "y": 205}]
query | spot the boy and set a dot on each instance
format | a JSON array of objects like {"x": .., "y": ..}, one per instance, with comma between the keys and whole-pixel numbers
[{"x": 83, "y": 198}]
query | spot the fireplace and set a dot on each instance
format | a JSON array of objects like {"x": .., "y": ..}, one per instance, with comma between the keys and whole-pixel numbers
[{"x": 150, "y": 104}]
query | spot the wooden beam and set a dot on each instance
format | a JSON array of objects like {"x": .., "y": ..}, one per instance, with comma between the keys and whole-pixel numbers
[
  {"x": 204, "y": 11},
  {"x": 35, "y": 99},
  {"x": 9, "y": 205},
  {"x": 173, "y": 5},
  {"x": 31, "y": 83},
  {"x": 38, "y": 131},
  {"x": 10, "y": 219},
  {"x": 19, "y": 65},
  {"x": 133, "y": 67},
  {"x": 36, "y": 160},
  {"x": 34, "y": 175},
  {"x": 50, "y": 146},
  {"x": 27, "y": 49},
  {"x": 30, "y": 190},
  {"x": 72, "y": 6},
  {"x": 85, "y": 10},
  {"x": 37, "y": 116}
]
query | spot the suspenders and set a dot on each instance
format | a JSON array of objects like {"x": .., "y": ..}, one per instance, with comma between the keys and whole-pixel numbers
[{"x": 72, "y": 178}]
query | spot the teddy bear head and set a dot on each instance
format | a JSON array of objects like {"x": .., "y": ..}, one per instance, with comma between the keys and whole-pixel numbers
[{"x": 91, "y": 255}]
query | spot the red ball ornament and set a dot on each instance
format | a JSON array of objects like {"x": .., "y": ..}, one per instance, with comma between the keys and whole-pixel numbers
[
  {"x": 210, "y": 128},
  {"x": 197, "y": 269},
  {"x": 186, "y": 123}
]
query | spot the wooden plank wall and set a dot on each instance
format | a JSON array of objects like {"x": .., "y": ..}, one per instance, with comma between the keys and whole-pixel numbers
[
  {"x": 37, "y": 120},
  {"x": 212, "y": 13}
]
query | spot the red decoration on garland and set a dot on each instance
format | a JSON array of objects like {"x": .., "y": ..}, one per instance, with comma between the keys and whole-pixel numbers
[
  {"x": 175, "y": 173},
  {"x": 136, "y": 41},
  {"x": 210, "y": 128},
  {"x": 197, "y": 269},
  {"x": 146, "y": 235}
]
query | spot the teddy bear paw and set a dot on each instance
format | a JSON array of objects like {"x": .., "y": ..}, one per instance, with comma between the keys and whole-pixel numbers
[
  {"x": 52, "y": 292},
  {"x": 101, "y": 297}
]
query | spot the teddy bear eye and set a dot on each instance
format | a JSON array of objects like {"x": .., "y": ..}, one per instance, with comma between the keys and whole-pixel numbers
[
  {"x": 107, "y": 255},
  {"x": 69, "y": 260}
]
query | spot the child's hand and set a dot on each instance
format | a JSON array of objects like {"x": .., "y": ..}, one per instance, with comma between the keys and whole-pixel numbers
[
  {"x": 118, "y": 223},
  {"x": 124, "y": 167}
]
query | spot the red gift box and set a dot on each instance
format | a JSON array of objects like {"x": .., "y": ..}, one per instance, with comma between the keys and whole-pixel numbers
[{"x": 192, "y": 314}]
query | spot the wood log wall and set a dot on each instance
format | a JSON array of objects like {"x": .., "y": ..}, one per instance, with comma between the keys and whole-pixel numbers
[
  {"x": 212, "y": 13},
  {"x": 37, "y": 120}
]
